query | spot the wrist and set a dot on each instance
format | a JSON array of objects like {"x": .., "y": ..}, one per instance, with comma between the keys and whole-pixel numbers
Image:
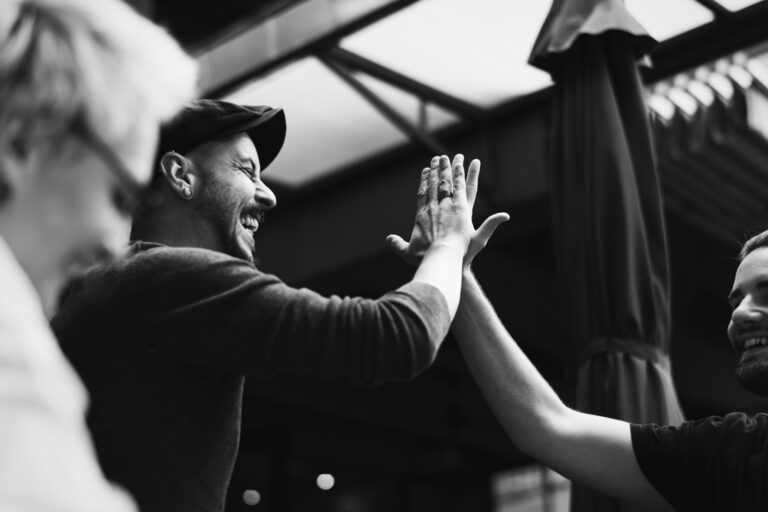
[{"x": 446, "y": 246}]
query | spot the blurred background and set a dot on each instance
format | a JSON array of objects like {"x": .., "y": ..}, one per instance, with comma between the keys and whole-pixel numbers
[{"x": 372, "y": 89}]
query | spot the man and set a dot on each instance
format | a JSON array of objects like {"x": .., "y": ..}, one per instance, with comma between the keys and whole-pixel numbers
[
  {"x": 83, "y": 88},
  {"x": 164, "y": 338},
  {"x": 712, "y": 464}
]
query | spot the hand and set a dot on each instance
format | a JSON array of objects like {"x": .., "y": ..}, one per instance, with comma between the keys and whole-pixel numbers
[
  {"x": 464, "y": 193},
  {"x": 443, "y": 216}
]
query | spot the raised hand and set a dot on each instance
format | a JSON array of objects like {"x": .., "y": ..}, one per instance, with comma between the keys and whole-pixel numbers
[
  {"x": 481, "y": 235},
  {"x": 435, "y": 189}
]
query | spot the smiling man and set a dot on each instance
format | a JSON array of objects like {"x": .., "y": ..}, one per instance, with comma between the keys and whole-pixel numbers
[
  {"x": 164, "y": 337},
  {"x": 713, "y": 464},
  {"x": 710, "y": 464},
  {"x": 748, "y": 329}
]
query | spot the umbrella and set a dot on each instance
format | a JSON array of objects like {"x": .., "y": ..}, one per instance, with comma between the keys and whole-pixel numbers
[{"x": 608, "y": 224}]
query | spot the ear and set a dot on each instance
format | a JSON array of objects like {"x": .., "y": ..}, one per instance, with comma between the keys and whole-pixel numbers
[{"x": 179, "y": 173}]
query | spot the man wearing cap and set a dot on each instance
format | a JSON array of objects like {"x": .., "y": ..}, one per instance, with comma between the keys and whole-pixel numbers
[{"x": 164, "y": 337}]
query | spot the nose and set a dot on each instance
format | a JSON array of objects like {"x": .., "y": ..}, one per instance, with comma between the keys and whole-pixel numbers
[
  {"x": 747, "y": 312},
  {"x": 264, "y": 196}
]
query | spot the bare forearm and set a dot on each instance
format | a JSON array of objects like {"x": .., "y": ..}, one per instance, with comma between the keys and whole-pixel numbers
[
  {"x": 441, "y": 267},
  {"x": 592, "y": 450},
  {"x": 522, "y": 400}
]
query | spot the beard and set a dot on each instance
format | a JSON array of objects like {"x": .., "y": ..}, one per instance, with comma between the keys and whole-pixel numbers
[
  {"x": 752, "y": 371},
  {"x": 223, "y": 218}
]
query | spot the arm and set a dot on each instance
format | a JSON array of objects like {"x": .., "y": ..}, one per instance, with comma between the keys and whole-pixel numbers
[
  {"x": 215, "y": 313},
  {"x": 591, "y": 450}
]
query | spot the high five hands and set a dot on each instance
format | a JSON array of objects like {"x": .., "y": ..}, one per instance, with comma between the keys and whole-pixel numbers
[{"x": 444, "y": 204}]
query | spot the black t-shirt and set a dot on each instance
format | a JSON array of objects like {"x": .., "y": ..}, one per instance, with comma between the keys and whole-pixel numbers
[{"x": 712, "y": 464}]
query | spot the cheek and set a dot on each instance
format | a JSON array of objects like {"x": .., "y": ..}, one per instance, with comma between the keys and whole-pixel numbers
[{"x": 233, "y": 194}]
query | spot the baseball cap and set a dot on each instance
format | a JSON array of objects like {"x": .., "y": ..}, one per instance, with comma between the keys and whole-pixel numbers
[{"x": 206, "y": 120}]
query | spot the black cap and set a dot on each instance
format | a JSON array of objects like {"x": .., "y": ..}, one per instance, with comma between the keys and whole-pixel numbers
[{"x": 203, "y": 121}]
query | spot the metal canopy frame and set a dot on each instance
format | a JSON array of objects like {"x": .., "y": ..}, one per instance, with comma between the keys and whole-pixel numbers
[{"x": 728, "y": 33}]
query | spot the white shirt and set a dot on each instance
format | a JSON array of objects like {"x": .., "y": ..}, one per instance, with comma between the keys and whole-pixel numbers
[{"x": 47, "y": 461}]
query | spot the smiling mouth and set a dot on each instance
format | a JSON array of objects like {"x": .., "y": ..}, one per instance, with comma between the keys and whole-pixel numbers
[
  {"x": 249, "y": 222},
  {"x": 755, "y": 342}
]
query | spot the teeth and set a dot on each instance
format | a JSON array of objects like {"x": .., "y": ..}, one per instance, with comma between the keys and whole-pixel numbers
[
  {"x": 249, "y": 222},
  {"x": 753, "y": 342}
]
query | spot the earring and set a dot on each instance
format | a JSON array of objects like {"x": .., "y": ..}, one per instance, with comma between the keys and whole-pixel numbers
[{"x": 187, "y": 192}]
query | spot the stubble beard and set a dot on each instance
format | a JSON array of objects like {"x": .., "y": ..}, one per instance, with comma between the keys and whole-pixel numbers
[
  {"x": 226, "y": 225},
  {"x": 752, "y": 372}
]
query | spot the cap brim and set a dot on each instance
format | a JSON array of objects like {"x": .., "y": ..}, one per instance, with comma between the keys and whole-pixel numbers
[{"x": 267, "y": 131}]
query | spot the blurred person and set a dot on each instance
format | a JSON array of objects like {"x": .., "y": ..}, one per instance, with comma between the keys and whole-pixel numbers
[
  {"x": 711, "y": 464},
  {"x": 84, "y": 85},
  {"x": 165, "y": 337}
]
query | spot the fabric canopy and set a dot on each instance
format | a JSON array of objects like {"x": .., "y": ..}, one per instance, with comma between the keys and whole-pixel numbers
[{"x": 609, "y": 234}]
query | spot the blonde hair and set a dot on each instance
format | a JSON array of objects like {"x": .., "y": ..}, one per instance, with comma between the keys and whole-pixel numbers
[{"x": 96, "y": 61}]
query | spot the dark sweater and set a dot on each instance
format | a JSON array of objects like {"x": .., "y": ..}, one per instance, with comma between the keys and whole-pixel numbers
[{"x": 163, "y": 340}]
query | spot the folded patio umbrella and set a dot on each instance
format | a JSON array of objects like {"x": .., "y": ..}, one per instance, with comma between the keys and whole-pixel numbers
[{"x": 608, "y": 225}]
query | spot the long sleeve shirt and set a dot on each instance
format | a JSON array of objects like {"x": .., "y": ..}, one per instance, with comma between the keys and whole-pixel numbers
[{"x": 164, "y": 338}]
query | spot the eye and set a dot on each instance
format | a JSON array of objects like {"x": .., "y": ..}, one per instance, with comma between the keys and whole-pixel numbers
[{"x": 248, "y": 171}]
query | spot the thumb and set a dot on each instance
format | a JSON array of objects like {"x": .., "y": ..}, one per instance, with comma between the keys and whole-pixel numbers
[
  {"x": 489, "y": 225},
  {"x": 397, "y": 244}
]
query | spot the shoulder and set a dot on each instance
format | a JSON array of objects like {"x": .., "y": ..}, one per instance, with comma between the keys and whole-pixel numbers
[
  {"x": 703, "y": 437},
  {"x": 736, "y": 422},
  {"x": 156, "y": 255},
  {"x": 150, "y": 272},
  {"x": 148, "y": 264}
]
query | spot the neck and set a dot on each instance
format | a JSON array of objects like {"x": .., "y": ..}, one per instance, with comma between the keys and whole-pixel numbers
[{"x": 175, "y": 229}]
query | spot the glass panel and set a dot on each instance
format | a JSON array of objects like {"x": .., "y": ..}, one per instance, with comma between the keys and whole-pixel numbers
[
  {"x": 667, "y": 18},
  {"x": 426, "y": 116},
  {"x": 288, "y": 31},
  {"x": 736, "y": 5},
  {"x": 475, "y": 50},
  {"x": 329, "y": 124}
]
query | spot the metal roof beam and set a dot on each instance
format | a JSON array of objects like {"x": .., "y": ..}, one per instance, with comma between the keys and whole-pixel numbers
[
  {"x": 736, "y": 32},
  {"x": 718, "y": 9},
  {"x": 416, "y": 134},
  {"x": 406, "y": 83},
  {"x": 310, "y": 27}
]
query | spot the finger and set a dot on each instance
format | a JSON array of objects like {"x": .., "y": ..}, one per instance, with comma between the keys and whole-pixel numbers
[
  {"x": 472, "y": 174},
  {"x": 489, "y": 225},
  {"x": 445, "y": 186},
  {"x": 397, "y": 244},
  {"x": 422, "y": 196},
  {"x": 459, "y": 184},
  {"x": 433, "y": 179}
]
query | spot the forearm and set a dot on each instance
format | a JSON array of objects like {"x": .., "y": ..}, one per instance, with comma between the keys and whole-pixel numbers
[
  {"x": 591, "y": 450},
  {"x": 522, "y": 400},
  {"x": 441, "y": 268}
]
